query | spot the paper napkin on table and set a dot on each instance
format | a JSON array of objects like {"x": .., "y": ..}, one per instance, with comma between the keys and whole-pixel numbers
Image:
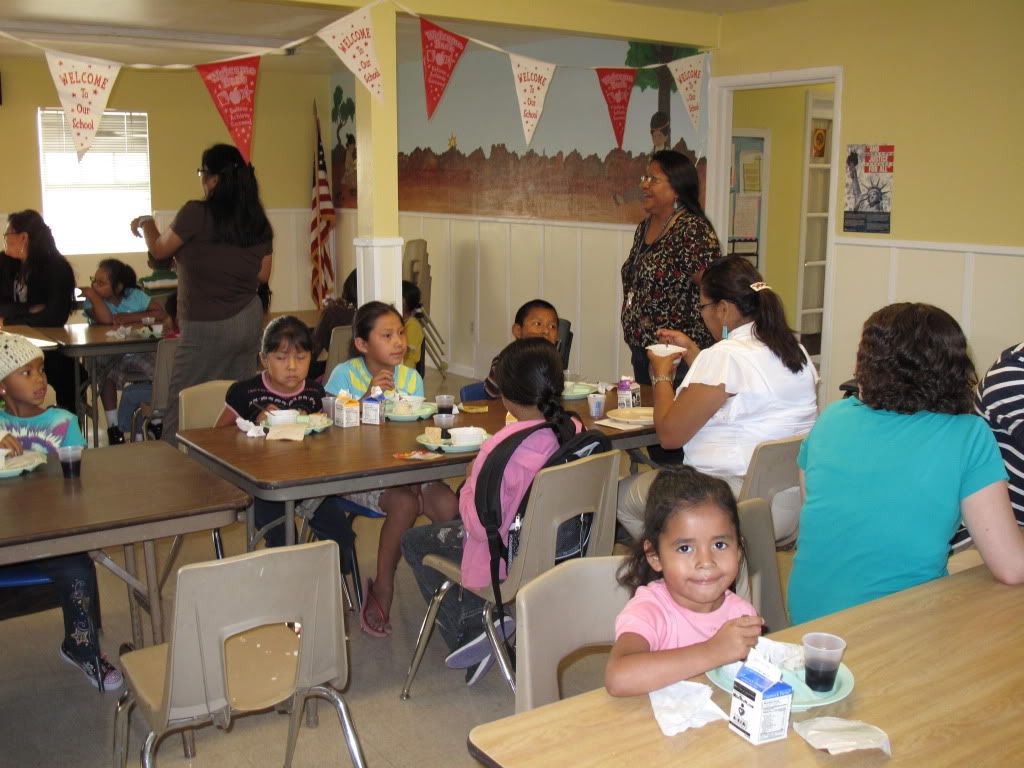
[
  {"x": 250, "y": 429},
  {"x": 837, "y": 735},
  {"x": 784, "y": 655},
  {"x": 684, "y": 705},
  {"x": 616, "y": 424},
  {"x": 287, "y": 432}
]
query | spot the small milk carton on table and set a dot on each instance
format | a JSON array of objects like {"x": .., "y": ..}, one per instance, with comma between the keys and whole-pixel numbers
[
  {"x": 373, "y": 407},
  {"x": 346, "y": 410},
  {"x": 761, "y": 701}
]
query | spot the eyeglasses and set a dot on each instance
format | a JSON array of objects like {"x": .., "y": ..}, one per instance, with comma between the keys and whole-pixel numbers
[
  {"x": 10, "y": 233},
  {"x": 94, "y": 280},
  {"x": 702, "y": 307},
  {"x": 645, "y": 179},
  {"x": 203, "y": 172}
]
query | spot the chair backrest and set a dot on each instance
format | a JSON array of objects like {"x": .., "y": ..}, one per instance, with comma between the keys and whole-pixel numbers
[
  {"x": 165, "y": 351},
  {"x": 773, "y": 469},
  {"x": 567, "y": 608},
  {"x": 564, "y": 340},
  {"x": 762, "y": 566},
  {"x": 560, "y": 494},
  {"x": 219, "y": 599},
  {"x": 337, "y": 352},
  {"x": 199, "y": 406},
  {"x": 471, "y": 392}
]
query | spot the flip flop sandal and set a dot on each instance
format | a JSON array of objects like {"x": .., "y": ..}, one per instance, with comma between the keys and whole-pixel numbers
[{"x": 370, "y": 599}]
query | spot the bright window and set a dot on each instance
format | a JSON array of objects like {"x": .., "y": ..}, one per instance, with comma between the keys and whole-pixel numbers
[{"x": 89, "y": 204}]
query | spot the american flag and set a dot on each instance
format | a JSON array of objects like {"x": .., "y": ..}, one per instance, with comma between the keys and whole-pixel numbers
[{"x": 322, "y": 279}]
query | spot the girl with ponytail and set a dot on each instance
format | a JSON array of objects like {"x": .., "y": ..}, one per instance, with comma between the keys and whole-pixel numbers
[
  {"x": 755, "y": 383},
  {"x": 222, "y": 246},
  {"x": 530, "y": 377}
]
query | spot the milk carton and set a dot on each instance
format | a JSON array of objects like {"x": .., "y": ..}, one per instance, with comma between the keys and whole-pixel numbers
[
  {"x": 628, "y": 393},
  {"x": 346, "y": 410},
  {"x": 373, "y": 409},
  {"x": 761, "y": 701}
]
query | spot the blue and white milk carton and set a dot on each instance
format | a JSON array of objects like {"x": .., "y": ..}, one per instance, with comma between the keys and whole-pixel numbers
[{"x": 761, "y": 701}]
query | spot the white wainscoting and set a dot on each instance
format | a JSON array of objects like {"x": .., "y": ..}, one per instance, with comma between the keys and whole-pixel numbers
[{"x": 979, "y": 285}]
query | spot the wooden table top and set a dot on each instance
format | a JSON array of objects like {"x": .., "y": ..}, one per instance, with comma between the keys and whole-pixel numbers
[
  {"x": 36, "y": 335},
  {"x": 120, "y": 486},
  {"x": 361, "y": 457},
  {"x": 939, "y": 668},
  {"x": 86, "y": 339}
]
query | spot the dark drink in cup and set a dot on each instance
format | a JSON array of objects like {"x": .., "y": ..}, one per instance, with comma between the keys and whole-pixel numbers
[
  {"x": 445, "y": 403},
  {"x": 820, "y": 679},
  {"x": 70, "y": 460},
  {"x": 72, "y": 469},
  {"x": 445, "y": 408}
]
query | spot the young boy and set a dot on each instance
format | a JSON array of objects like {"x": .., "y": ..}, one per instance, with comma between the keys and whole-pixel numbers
[
  {"x": 25, "y": 425},
  {"x": 536, "y": 318}
]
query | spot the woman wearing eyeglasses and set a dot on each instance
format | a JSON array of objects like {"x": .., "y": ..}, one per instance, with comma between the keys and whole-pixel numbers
[
  {"x": 223, "y": 248},
  {"x": 672, "y": 246},
  {"x": 37, "y": 287}
]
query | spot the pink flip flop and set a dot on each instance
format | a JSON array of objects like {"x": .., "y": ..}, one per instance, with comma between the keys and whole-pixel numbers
[{"x": 370, "y": 599}]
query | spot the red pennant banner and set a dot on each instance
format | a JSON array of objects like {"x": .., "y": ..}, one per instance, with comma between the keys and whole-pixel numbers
[
  {"x": 617, "y": 87},
  {"x": 232, "y": 86},
  {"x": 441, "y": 52}
]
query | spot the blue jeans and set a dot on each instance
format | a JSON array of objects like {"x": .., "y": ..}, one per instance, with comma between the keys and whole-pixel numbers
[
  {"x": 74, "y": 577},
  {"x": 459, "y": 618},
  {"x": 329, "y": 521}
]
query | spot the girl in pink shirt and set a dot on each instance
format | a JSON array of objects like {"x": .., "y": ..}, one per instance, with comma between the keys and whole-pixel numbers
[
  {"x": 683, "y": 620},
  {"x": 531, "y": 379}
]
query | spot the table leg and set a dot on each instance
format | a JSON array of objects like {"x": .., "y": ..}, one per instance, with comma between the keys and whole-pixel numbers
[
  {"x": 94, "y": 386},
  {"x": 133, "y": 607},
  {"x": 156, "y": 614},
  {"x": 250, "y": 528},
  {"x": 289, "y": 522},
  {"x": 79, "y": 409}
]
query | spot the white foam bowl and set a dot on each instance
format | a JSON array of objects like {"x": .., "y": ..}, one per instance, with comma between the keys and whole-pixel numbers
[
  {"x": 282, "y": 417},
  {"x": 665, "y": 350},
  {"x": 466, "y": 435},
  {"x": 414, "y": 401}
]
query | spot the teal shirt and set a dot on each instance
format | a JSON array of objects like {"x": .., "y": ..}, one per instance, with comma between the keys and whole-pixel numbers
[
  {"x": 46, "y": 432},
  {"x": 134, "y": 300},
  {"x": 354, "y": 376},
  {"x": 883, "y": 500}
]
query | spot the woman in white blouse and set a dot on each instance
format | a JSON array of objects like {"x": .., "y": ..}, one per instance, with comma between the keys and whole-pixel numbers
[{"x": 755, "y": 383}]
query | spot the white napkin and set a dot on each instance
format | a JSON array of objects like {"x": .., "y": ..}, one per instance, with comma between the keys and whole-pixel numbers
[
  {"x": 287, "y": 432},
  {"x": 3, "y": 456},
  {"x": 837, "y": 735},
  {"x": 121, "y": 332},
  {"x": 785, "y": 655},
  {"x": 684, "y": 705},
  {"x": 616, "y": 424},
  {"x": 250, "y": 429}
]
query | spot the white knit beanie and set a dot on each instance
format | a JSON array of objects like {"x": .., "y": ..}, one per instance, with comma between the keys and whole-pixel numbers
[{"x": 16, "y": 351}]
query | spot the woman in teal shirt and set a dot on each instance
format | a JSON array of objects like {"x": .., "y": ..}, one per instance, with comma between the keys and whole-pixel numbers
[{"x": 888, "y": 475}]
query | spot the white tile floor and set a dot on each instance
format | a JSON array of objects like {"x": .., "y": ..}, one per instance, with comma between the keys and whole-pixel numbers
[{"x": 52, "y": 717}]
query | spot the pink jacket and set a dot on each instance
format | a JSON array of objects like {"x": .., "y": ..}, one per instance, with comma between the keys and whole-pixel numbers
[{"x": 524, "y": 465}]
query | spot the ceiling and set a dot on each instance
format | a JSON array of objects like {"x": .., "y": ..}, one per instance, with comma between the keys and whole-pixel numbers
[{"x": 163, "y": 32}]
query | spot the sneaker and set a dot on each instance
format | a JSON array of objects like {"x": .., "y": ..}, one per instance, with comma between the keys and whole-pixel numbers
[
  {"x": 478, "y": 670},
  {"x": 478, "y": 648},
  {"x": 114, "y": 436},
  {"x": 112, "y": 678}
]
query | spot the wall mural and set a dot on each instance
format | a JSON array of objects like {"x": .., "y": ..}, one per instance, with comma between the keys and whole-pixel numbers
[{"x": 572, "y": 170}]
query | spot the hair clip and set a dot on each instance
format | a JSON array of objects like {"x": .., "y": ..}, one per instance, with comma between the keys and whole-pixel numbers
[{"x": 758, "y": 287}]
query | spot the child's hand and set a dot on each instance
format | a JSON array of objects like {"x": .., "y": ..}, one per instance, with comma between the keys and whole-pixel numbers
[
  {"x": 10, "y": 442},
  {"x": 262, "y": 415},
  {"x": 736, "y": 637},
  {"x": 384, "y": 378}
]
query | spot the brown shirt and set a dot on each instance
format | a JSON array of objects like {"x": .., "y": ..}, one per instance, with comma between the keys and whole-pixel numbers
[{"x": 215, "y": 280}]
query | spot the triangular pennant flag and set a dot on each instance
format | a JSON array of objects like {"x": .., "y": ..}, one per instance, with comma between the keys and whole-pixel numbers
[
  {"x": 83, "y": 85},
  {"x": 689, "y": 76},
  {"x": 617, "y": 86},
  {"x": 532, "y": 79},
  {"x": 441, "y": 52},
  {"x": 351, "y": 37},
  {"x": 232, "y": 86}
]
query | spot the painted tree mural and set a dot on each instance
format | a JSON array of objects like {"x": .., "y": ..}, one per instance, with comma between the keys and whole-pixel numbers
[{"x": 643, "y": 54}]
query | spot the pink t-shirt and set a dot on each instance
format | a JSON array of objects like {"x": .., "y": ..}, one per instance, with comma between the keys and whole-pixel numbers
[
  {"x": 522, "y": 467},
  {"x": 666, "y": 625}
]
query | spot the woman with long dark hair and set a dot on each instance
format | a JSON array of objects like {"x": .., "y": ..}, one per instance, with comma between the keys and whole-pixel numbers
[
  {"x": 755, "y": 383},
  {"x": 37, "y": 287},
  {"x": 223, "y": 246},
  {"x": 889, "y": 474}
]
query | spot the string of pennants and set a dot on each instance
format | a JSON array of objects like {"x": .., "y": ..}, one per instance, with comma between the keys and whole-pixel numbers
[{"x": 84, "y": 83}]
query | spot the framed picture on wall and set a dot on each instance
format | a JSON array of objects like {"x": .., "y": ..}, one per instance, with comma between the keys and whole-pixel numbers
[{"x": 819, "y": 140}]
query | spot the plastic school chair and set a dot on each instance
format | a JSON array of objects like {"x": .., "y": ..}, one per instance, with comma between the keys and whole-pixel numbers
[
  {"x": 773, "y": 469},
  {"x": 471, "y": 392},
  {"x": 232, "y": 652}
]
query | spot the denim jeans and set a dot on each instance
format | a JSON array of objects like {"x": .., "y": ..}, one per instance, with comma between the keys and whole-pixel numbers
[
  {"x": 75, "y": 580},
  {"x": 459, "y": 618},
  {"x": 330, "y": 521}
]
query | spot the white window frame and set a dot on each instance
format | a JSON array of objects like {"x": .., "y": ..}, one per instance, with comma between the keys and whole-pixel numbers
[{"x": 89, "y": 203}]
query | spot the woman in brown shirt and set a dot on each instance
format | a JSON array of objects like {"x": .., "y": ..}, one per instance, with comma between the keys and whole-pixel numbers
[{"x": 223, "y": 248}]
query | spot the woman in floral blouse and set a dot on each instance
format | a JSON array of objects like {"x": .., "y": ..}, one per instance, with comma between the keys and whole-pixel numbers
[{"x": 671, "y": 249}]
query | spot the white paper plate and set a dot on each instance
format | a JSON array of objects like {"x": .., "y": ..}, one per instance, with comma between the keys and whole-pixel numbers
[
  {"x": 26, "y": 462},
  {"x": 639, "y": 416},
  {"x": 665, "y": 350},
  {"x": 578, "y": 391},
  {"x": 447, "y": 447},
  {"x": 425, "y": 411},
  {"x": 803, "y": 697}
]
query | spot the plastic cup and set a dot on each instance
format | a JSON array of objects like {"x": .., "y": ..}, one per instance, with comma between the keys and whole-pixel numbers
[
  {"x": 70, "y": 461},
  {"x": 445, "y": 421},
  {"x": 445, "y": 403},
  {"x": 595, "y": 402},
  {"x": 328, "y": 406},
  {"x": 158, "y": 329},
  {"x": 822, "y": 654}
]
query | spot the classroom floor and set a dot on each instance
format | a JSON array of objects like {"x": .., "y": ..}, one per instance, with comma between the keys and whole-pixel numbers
[{"x": 53, "y": 717}]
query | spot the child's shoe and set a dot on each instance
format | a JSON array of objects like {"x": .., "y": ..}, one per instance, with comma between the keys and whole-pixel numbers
[
  {"x": 114, "y": 436},
  {"x": 112, "y": 678}
]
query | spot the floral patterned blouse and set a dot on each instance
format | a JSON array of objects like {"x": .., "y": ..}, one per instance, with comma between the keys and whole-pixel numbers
[{"x": 656, "y": 288}]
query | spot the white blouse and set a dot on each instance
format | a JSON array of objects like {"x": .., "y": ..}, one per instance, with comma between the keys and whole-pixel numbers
[{"x": 767, "y": 402}]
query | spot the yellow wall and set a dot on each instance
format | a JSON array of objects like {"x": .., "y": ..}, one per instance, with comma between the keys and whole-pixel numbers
[
  {"x": 938, "y": 78},
  {"x": 182, "y": 123}
]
